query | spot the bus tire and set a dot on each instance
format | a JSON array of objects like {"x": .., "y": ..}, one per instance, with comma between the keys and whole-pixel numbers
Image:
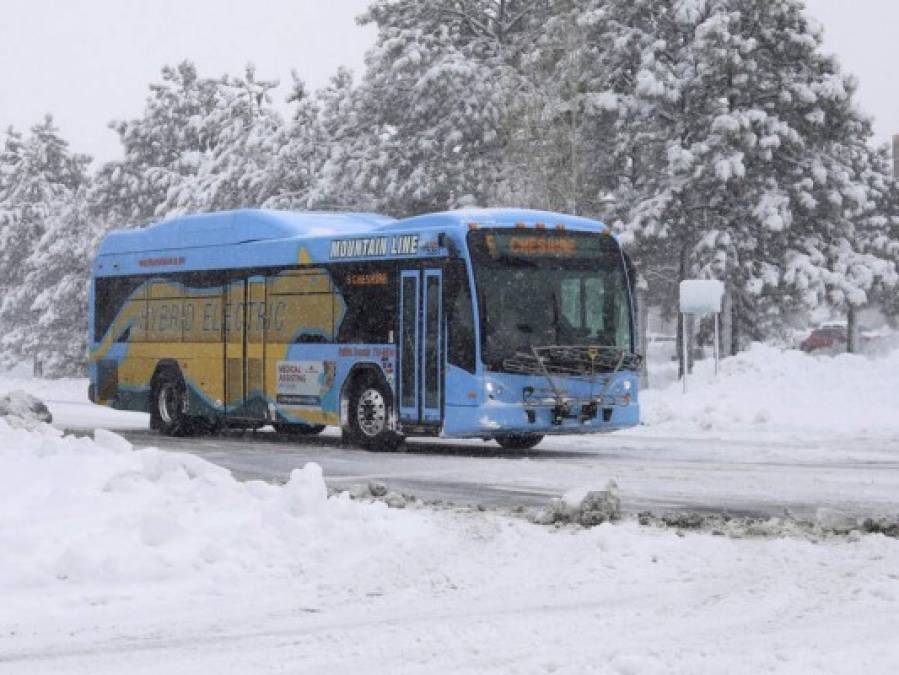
[
  {"x": 299, "y": 429},
  {"x": 167, "y": 397},
  {"x": 370, "y": 410},
  {"x": 519, "y": 441}
]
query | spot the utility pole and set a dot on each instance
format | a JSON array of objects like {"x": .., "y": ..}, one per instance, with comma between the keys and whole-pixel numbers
[
  {"x": 643, "y": 328},
  {"x": 852, "y": 329},
  {"x": 896, "y": 156}
]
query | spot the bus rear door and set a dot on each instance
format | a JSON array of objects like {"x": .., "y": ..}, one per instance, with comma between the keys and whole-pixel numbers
[
  {"x": 235, "y": 336},
  {"x": 244, "y": 349}
]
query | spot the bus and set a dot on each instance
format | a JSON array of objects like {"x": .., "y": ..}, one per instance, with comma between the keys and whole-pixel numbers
[{"x": 504, "y": 324}]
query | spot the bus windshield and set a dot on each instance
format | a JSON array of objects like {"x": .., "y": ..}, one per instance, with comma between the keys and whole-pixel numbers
[{"x": 542, "y": 288}]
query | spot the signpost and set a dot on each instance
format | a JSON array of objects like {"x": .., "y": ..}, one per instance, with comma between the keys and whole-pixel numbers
[{"x": 700, "y": 297}]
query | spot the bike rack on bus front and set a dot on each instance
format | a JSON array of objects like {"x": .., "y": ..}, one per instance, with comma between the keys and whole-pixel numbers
[{"x": 572, "y": 361}]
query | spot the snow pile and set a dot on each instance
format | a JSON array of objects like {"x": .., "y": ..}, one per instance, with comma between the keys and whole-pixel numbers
[
  {"x": 115, "y": 557},
  {"x": 89, "y": 512},
  {"x": 767, "y": 388},
  {"x": 67, "y": 400},
  {"x": 584, "y": 506},
  {"x": 24, "y": 410}
]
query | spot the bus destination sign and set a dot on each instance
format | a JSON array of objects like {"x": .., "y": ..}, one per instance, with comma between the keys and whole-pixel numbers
[
  {"x": 521, "y": 245},
  {"x": 374, "y": 247}
]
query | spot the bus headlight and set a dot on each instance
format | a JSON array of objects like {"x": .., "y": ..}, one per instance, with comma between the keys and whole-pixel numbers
[{"x": 493, "y": 389}]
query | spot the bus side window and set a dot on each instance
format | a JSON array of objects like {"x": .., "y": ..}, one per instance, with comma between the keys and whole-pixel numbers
[
  {"x": 299, "y": 307},
  {"x": 368, "y": 291},
  {"x": 459, "y": 318},
  {"x": 114, "y": 296}
]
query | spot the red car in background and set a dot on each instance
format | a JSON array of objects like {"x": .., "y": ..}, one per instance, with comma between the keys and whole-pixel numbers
[{"x": 828, "y": 336}]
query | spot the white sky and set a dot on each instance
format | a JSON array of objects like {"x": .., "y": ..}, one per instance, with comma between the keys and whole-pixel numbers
[
  {"x": 90, "y": 61},
  {"x": 864, "y": 34}
]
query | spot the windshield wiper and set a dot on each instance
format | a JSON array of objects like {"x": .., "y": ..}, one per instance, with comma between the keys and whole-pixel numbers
[{"x": 573, "y": 360}]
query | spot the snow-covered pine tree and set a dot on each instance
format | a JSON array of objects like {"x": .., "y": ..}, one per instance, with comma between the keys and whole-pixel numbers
[
  {"x": 339, "y": 155},
  {"x": 297, "y": 153},
  {"x": 877, "y": 232},
  {"x": 59, "y": 271},
  {"x": 435, "y": 106},
  {"x": 235, "y": 136},
  {"x": 161, "y": 148},
  {"x": 10, "y": 157},
  {"x": 41, "y": 185},
  {"x": 564, "y": 134},
  {"x": 733, "y": 129}
]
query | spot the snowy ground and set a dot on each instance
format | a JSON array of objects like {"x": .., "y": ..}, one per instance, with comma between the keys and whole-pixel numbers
[
  {"x": 785, "y": 392},
  {"x": 122, "y": 560},
  {"x": 118, "y": 560},
  {"x": 67, "y": 400},
  {"x": 775, "y": 431}
]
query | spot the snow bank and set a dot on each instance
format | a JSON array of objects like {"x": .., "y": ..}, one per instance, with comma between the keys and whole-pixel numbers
[
  {"x": 585, "y": 506},
  {"x": 767, "y": 388},
  {"x": 116, "y": 559},
  {"x": 21, "y": 409},
  {"x": 82, "y": 511},
  {"x": 67, "y": 400}
]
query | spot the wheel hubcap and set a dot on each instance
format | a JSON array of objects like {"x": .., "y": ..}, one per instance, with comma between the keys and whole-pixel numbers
[
  {"x": 371, "y": 413},
  {"x": 166, "y": 403}
]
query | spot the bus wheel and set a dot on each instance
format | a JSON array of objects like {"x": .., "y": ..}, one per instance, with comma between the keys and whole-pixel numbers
[
  {"x": 369, "y": 414},
  {"x": 299, "y": 429},
  {"x": 167, "y": 404},
  {"x": 519, "y": 441}
]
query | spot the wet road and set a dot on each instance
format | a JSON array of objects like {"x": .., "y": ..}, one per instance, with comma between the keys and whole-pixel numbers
[{"x": 759, "y": 476}]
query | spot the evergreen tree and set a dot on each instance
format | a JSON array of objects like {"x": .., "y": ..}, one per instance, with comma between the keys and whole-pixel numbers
[
  {"x": 161, "y": 149},
  {"x": 230, "y": 169},
  {"x": 59, "y": 272},
  {"x": 434, "y": 111},
  {"x": 10, "y": 159},
  {"x": 564, "y": 141},
  {"x": 41, "y": 185},
  {"x": 297, "y": 154},
  {"x": 335, "y": 150},
  {"x": 878, "y": 230},
  {"x": 733, "y": 143}
]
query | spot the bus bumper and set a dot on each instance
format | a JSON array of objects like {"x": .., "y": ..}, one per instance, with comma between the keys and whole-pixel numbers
[{"x": 501, "y": 418}]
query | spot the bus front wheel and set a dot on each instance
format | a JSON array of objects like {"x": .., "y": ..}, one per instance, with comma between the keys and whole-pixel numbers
[
  {"x": 369, "y": 416},
  {"x": 519, "y": 441}
]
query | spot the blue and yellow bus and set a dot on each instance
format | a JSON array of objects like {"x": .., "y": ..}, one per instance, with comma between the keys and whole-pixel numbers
[{"x": 502, "y": 324}]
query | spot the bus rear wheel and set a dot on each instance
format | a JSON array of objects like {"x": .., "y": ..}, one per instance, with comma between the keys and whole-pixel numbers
[
  {"x": 519, "y": 441},
  {"x": 369, "y": 416},
  {"x": 167, "y": 396},
  {"x": 167, "y": 404}
]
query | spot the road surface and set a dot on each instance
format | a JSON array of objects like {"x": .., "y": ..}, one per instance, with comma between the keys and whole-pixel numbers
[{"x": 767, "y": 475}]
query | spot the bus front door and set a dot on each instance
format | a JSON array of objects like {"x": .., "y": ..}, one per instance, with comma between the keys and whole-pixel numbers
[{"x": 420, "y": 346}]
